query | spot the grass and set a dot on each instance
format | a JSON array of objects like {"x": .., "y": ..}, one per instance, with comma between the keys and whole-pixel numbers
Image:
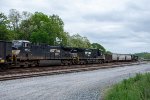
[{"x": 137, "y": 88}]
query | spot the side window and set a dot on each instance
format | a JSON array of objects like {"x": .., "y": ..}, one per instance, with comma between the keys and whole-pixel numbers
[
  {"x": 26, "y": 44},
  {"x": 23, "y": 44},
  {"x": 99, "y": 53}
]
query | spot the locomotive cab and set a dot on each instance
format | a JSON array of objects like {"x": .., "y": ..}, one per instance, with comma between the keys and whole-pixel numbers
[
  {"x": 20, "y": 44},
  {"x": 21, "y": 49}
]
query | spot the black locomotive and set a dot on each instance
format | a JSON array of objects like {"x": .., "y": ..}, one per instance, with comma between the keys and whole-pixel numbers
[{"x": 23, "y": 53}]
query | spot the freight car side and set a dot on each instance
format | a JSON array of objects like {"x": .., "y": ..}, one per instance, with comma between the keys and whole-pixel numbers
[
  {"x": 108, "y": 58},
  {"x": 128, "y": 57},
  {"x": 5, "y": 53},
  {"x": 122, "y": 57},
  {"x": 2, "y": 50},
  {"x": 115, "y": 57}
]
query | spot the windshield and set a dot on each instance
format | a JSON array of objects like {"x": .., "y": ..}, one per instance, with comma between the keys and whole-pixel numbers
[{"x": 17, "y": 44}]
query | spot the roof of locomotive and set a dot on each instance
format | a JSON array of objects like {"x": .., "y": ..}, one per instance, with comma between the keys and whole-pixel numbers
[{"x": 21, "y": 41}]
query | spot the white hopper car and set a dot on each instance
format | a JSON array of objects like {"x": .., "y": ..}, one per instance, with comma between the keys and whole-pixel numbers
[{"x": 121, "y": 57}]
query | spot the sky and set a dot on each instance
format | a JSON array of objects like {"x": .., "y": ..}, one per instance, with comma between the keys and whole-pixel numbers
[{"x": 121, "y": 26}]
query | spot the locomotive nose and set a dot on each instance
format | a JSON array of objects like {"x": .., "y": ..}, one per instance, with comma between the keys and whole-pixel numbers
[{"x": 15, "y": 50}]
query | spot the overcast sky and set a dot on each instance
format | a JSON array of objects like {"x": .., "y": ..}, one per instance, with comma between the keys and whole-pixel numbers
[{"x": 121, "y": 26}]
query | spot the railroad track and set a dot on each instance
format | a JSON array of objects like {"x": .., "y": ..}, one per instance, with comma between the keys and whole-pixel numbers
[{"x": 21, "y": 74}]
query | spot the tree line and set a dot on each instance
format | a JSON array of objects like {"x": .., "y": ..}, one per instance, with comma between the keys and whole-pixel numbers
[
  {"x": 143, "y": 55},
  {"x": 40, "y": 28}
]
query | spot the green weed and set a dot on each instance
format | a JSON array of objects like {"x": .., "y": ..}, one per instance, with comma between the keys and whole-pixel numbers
[{"x": 137, "y": 88}]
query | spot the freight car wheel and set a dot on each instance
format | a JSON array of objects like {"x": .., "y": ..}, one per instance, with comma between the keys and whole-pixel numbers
[
  {"x": 84, "y": 62},
  {"x": 100, "y": 61},
  {"x": 33, "y": 63},
  {"x": 70, "y": 62},
  {"x": 81, "y": 62},
  {"x": 4, "y": 67},
  {"x": 22, "y": 65},
  {"x": 37, "y": 63},
  {"x": 29, "y": 65}
]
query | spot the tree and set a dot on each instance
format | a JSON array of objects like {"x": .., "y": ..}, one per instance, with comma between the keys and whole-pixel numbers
[
  {"x": 79, "y": 41},
  {"x": 98, "y": 46},
  {"x": 86, "y": 42},
  {"x": 39, "y": 37},
  {"x": 56, "y": 26},
  {"x": 144, "y": 55},
  {"x": 52, "y": 25},
  {"x": 33, "y": 25},
  {"x": 40, "y": 28},
  {"x": 3, "y": 27},
  {"x": 25, "y": 15},
  {"x": 108, "y": 52},
  {"x": 14, "y": 18},
  {"x": 65, "y": 39},
  {"x": 76, "y": 41}
]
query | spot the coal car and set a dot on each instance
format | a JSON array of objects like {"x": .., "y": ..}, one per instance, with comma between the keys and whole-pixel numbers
[{"x": 5, "y": 53}]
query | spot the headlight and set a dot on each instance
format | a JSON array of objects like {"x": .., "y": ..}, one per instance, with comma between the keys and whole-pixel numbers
[{"x": 2, "y": 61}]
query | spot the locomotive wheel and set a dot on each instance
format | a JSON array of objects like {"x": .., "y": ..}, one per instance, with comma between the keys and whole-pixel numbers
[
  {"x": 22, "y": 65},
  {"x": 86, "y": 62},
  {"x": 37, "y": 63},
  {"x": 100, "y": 62},
  {"x": 66, "y": 63},
  {"x": 82, "y": 62},
  {"x": 70, "y": 62},
  {"x": 29, "y": 65},
  {"x": 61, "y": 63}
]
